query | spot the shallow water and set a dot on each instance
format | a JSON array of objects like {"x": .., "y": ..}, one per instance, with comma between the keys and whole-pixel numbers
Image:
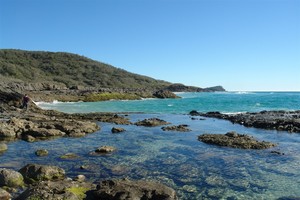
[{"x": 194, "y": 169}]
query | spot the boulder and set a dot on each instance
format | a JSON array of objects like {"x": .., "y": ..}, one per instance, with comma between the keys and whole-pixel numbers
[
  {"x": 127, "y": 189},
  {"x": 151, "y": 122},
  {"x": 10, "y": 178},
  {"x": 34, "y": 172},
  {"x": 117, "y": 130},
  {"x": 7, "y": 131},
  {"x": 235, "y": 140},
  {"x": 4, "y": 195}
]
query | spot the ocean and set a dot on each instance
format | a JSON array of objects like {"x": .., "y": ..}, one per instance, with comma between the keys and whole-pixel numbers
[{"x": 195, "y": 170}]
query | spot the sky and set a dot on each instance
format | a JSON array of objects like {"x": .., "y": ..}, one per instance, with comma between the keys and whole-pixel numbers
[{"x": 243, "y": 45}]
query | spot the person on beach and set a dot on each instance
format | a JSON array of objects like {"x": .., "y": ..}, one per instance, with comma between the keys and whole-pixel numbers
[{"x": 25, "y": 102}]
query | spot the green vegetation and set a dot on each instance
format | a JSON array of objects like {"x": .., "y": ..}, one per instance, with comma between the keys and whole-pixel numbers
[
  {"x": 108, "y": 96},
  {"x": 69, "y": 69},
  {"x": 78, "y": 191}
]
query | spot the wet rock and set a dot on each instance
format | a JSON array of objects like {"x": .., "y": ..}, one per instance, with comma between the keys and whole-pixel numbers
[
  {"x": 28, "y": 138},
  {"x": 105, "y": 149},
  {"x": 3, "y": 147},
  {"x": 10, "y": 178},
  {"x": 235, "y": 140},
  {"x": 127, "y": 189},
  {"x": 117, "y": 130},
  {"x": 79, "y": 178},
  {"x": 277, "y": 153},
  {"x": 4, "y": 195},
  {"x": 34, "y": 173},
  {"x": 42, "y": 152},
  {"x": 179, "y": 128},
  {"x": 62, "y": 189},
  {"x": 151, "y": 122}
]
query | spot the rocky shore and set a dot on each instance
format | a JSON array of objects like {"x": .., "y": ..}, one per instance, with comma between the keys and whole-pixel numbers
[{"x": 274, "y": 120}]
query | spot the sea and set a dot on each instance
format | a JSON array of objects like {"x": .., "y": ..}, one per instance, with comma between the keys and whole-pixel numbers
[{"x": 195, "y": 170}]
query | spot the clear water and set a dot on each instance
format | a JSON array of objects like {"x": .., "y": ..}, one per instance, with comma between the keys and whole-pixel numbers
[
  {"x": 222, "y": 101},
  {"x": 194, "y": 169}
]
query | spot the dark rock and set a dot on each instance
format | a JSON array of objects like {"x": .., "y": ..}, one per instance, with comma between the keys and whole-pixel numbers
[
  {"x": 179, "y": 128},
  {"x": 41, "y": 152},
  {"x": 151, "y": 122},
  {"x": 117, "y": 130},
  {"x": 10, "y": 178},
  {"x": 235, "y": 140},
  {"x": 35, "y": 173},
  {"x": 277, "y": 153},
  {"x": 163, "y": 94},
  {"x": 127, "y": 189}
]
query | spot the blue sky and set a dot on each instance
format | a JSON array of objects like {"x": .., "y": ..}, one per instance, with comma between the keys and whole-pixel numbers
[{"x": 243, "y": 45}]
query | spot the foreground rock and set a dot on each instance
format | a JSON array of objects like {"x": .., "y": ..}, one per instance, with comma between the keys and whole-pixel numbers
[
  {"x": 127, "y": 189},
  {"x": 151, "y": 122},
  {"x": 62, "y": 189},
  {"x": 4, "y": 195},
  {"x": 235, "y": 140},
  {"x": 36, "y": 173},
  {"x": 278, "y": 120},
  {"x": 10, "y": 178},
  {"x": 179, "y": 128}
]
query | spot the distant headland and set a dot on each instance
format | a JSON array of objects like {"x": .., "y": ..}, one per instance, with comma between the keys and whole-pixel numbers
[{"x": 49, "y": 76}]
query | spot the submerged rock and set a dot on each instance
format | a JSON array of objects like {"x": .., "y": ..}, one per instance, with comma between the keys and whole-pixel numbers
[
  {"x": 105, "y": 149},
  {"x": 41, "y": 152},
  {"x": 151, "y": 122},
  {"x": 127, "y": 189},
  {"x": 235, "y": 140}
]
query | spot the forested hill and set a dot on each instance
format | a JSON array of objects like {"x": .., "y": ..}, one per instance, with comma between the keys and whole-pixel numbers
[{"x": 68, "y": 70}]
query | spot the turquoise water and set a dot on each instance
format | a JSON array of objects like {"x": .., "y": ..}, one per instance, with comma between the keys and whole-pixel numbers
[
  {"x": 194, "y": 169},
  {"x": 227, "y": 102}
]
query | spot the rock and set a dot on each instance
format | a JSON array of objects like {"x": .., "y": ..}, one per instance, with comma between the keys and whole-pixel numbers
[
  {"x": 43, "y": 132},
  {"x": 180, "y": 128},
  {"x": 151, "y": 122},
  {"x": 35, "y": 173},
  {"x": 163, "y": 94},
  {"x": 4, "y": 195},
  {"x": 235, "y": 140},
  {"x": 117, "y": 130},
  {"x": 127, "y": 189},
  {"x": 7, "y": 131},
  {"x": 57, "y": 190},
  {"x": 41, "y": 152},
  {"x": 79, "y": 178},
  {"x": 28, "y": 138},
  {"x": 278, "y": 120},
  {"x": 3, "y": 147},
  {"x": 10, "y": 178},
  {"x": 105, "y": 149}
]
